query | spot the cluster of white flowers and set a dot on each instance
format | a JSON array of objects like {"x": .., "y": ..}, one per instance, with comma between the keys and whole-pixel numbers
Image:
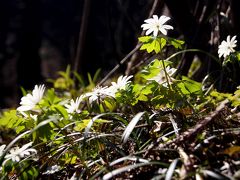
[
  {"x": 121, "y": 84},
  {"x": 98, "y": 93},
  {"x": 29, "y": 101},
  {"x": 155, "y": 25},
  {"x": 227, "y": 47},
  {"x": 101, "y": 92},
  {"x": 161, "y": 78},
  {"x": 16, "y": 154}
]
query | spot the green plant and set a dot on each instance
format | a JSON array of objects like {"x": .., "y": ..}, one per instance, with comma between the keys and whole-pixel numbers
[{"x": 155, "y": 123}]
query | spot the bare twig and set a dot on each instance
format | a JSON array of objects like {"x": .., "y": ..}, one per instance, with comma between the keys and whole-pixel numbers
[
  {"x": 82, "y": 34},
  {"x": 121, "y": 62}
]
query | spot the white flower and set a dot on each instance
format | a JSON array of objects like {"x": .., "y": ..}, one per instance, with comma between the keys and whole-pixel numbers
[
  {"x": 34, "y": 116},
  {"x": 98, "y": 93},
  {"x": 17, "y": 153},
  {"x": 156, "y": 24},
  {"x": 52, "y": 169},
  {"x": 2, "y": 147},
  {"x": 161, "y": 76},
  {"x": 73, "y": 106},
  {"x": 29, "y": 101},
  {"x": 227, "y": 47},
  {"x": 121, "y": 84}
]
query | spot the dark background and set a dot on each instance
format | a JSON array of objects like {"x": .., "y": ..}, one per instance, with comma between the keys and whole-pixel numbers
[{"x": 40, "y": 37}]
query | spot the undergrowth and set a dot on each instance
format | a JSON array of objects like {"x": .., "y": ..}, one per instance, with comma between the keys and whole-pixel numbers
[{"x": 155, "y": 124}]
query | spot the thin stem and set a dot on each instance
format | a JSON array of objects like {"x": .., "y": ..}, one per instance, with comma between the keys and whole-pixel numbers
[
  {"x": 194, "y": 50},
  {"x": 164, "y": 68},
  {"x": 166, "y": 75}
]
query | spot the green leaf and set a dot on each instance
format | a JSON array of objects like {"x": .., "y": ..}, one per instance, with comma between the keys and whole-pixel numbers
[
  {"x": 147, "y": 89},
  {"x": 137, "y": 88},
  {"x": 156, "y": 46},
  {"x": 158, "y": 64},
  {"x": 183, "y": 89},
  {"x": 81, "y": 125},
  {"x": 96, "y": 75},
  {"x": 189, "y": 86},
  {"x": 110, "y": 103},
  {"x": 235, "y": 99},
  {"x": 162, "y": 43},
  {"x": 176, "y": 43},
  {"x": 79, "y": 78},
  {"x": 151, "y": 44},
  {"x": 11, "y": 120},
  {"x": 61, "y": 110},
  {"x": 51, "y": 98},
  {"x": 238, "y": 55},
  {"x": 20, "y": 129},
  {"x": 145, "y": 39},
  {"x": 30, "y": 172},
  {"x": 144, "y": 46},
  {"x": 90, "y": 80},
  {"x": 64, "y": 82},
  {"x": 142, "y": 91},
  {"x": 84, "y": 123},
  {"x": 154, "y": 68},
  {"x": 142, "y": 97},
  {"x": 24, "y": 92},
  {"x": 44, "y": 128}
]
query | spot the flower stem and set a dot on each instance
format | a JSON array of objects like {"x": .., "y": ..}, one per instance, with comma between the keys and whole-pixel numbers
[{"x": 166, "y": 75}]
